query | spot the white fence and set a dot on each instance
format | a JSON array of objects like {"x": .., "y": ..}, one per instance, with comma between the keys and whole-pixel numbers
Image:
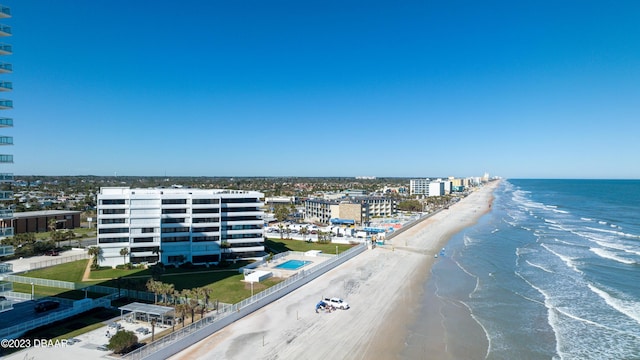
[
  {"x": 189, "y": 335},
  {"x": 57, "y": 261}
]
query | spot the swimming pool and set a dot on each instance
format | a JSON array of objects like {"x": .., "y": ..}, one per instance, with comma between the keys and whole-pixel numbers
[{"x": 293, "y": 264}]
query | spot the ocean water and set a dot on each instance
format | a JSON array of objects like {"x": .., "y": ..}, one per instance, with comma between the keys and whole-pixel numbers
[{"x": 552, "y": 272}]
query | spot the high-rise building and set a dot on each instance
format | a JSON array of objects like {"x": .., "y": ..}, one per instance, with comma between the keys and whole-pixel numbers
[
  {"x": 6, "y": 177},
  {"x": 178, "y": 225}
]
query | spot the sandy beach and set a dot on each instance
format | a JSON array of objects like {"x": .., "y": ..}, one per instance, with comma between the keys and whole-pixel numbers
[{"x": 382, "y": 285}]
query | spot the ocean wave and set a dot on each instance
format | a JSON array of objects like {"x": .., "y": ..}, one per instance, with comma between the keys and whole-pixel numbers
[
  {"x": 539, "y": 267},
  {"x": 495, "y": 231},
  {"x": 628, "y": 308},
  {"x": 614, "y": 232},
  {"x": 567, "y": 260},
  {"x": 586, "y": 219},
  {"x": 611, "y": 256},
  {"x": 617, "y": 246},
  {"x": 560, "y": 211}
]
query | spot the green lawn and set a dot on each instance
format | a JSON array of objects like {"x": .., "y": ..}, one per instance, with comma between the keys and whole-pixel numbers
[
  {"x": 225, "y": 281},
  {"x": 110, "y": 273},
  {"x": 71, "y": 271},
  {"x": 277, "y": 245}
]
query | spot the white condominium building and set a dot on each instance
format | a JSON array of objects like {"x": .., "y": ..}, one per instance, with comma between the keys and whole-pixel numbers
[
  {"x": 178, "y": 225},
  {"x": 419, "y": 186}
]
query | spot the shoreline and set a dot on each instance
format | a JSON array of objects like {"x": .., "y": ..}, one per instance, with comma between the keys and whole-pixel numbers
[{"x": 383, "y": 286}]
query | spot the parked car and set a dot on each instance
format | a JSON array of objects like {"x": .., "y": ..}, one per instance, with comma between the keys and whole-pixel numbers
[
  {"x": 2, "y": 298},
  {"x": 52, "y": 253},
  {"x": 46, "y": 305},
  {"x": 337, "y": 303}
]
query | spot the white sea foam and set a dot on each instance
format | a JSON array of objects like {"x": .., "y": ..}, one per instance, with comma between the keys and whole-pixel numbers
[
  {"x": 630, "y": 309},
  {"x": 560, "y": 211},
  {"x": 602, "y": 222},
  {"x": 539, "y": 267},
  {"x": 486, "y": 332},
  {"x": 567, "y": 260},
  {"x": 619, "y": 233},
  {"x": 611, "y": 256},
  {"x": 586, "y": 219},
  {"x": 550, "y": 221},
  {"x": 495, "y": 231}
]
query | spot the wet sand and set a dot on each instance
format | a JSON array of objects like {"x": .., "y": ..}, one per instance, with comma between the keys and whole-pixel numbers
[{"x": 383, "y": 286}]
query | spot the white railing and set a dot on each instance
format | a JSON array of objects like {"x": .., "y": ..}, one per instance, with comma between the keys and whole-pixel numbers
[{"x": 19, "y": 329}]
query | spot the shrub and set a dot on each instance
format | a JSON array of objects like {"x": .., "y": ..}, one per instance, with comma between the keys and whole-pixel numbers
[{"x": 122, "y": 342}]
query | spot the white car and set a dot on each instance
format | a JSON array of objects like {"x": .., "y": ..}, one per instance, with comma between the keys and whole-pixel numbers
[{"x": 337, "y": 303}]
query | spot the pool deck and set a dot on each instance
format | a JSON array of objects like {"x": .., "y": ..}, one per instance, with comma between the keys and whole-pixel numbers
[{"x": 284, "y": 273}]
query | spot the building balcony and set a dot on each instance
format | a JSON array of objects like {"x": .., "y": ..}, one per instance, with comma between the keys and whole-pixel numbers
[
  {"x": 5, "y": 177},
  {"x": 6, "y": 140},
  {"x": 6, "y": 267},
  {"x": 6, "y": 250},
  {"x": 6, "y": 49},
  {"x": 6, "y": 68},
  {"x": 5, "y": 12},
  {"x": 6, "y": 122},
  {"x": 6, "y": 104},
  {"x": 6, "y": 214},
  {"x": 6, "y": 195},
  {"x": 5, "y": 30},
  {"x": 6, "y": 86},
  {"x": 6, "y": 159}
]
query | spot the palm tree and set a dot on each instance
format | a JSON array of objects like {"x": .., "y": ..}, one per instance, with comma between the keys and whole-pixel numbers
[
  {"x": 207, "y": 291},
  {"x": 181, "y": 312},
  {"x": 158, "y": 251},
  {"x": 95, "y": 252},
  {"x": 166, "y": 290},
  {"x": 281, "y": 230},
  {"x": 124, "y": 252},
  {"x": 154, "y": 287}
]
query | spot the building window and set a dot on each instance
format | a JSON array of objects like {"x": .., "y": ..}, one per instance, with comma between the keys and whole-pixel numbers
[
  {"x": 198, "y": 259},
  {"x": 205, "y": 211},
  {"x": 205, "y": 201},
  {"x": 205, "y": 238},
  {"x": 174, "y": 211},
  {"x": 175, "y": 230},
  {"x": 147, "y": 230},
  {"x": 114, "y": 231},
  {"x": 112, "y": 211},
  {"x": 113, "y": 221},
  {"x": 169, "y": 239},
  {"x": 173, "y": 221},
  {"x": 174, "y": 201},
  {"x": 113, "y": 240},
  {"x": 143, "y": 240},
  {"x": 113, "y": 202}
]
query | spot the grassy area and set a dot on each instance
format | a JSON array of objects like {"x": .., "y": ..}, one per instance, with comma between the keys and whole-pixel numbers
[
  {"x": 276, "y": 245},
  {"x": 110, "y": 273},
  {"x": 71, "y": 271}
]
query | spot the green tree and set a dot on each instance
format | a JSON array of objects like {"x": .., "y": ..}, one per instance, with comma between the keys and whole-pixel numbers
[
  {"x": 281, "y": 212},
  {"x": 124, "y": 252},
  {"x": 154, "y": 287},
  {"x": 122, "y": 341},
  {"x": 96, "y": 253},
  {"x": 410, "y": 205}
]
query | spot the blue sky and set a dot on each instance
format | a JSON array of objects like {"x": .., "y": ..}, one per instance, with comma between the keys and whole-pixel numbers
[{"x": 544, "y": 89}]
